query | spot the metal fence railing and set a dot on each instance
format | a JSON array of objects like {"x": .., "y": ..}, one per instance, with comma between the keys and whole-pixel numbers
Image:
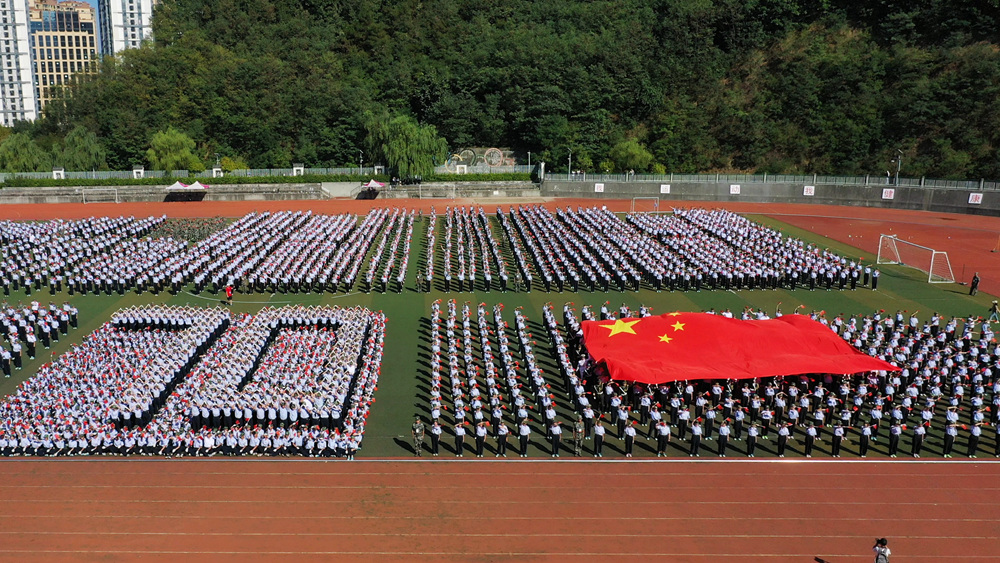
[
  {"x": 776, "y": 179},
  {"x": 805, "y": 179},
  {"x": 259, "y": 172}
]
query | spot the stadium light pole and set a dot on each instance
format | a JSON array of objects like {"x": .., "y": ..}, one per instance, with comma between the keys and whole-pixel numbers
[
  {"x": 569, "y": 171},
  {"x": 899, "y": 163},
  {"x": 361, "y": 165}
]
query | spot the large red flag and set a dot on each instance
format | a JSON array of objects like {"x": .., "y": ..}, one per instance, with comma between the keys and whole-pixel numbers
[{"x": 679, "y": 346}]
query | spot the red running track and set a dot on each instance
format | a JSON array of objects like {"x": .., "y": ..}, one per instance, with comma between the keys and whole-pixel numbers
[
  {"x": 255, "y": 510},
  {"x": 252, "y": 510}
]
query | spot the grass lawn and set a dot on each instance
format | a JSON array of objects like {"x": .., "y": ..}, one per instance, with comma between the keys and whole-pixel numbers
[{"x": 402, "y": 390}]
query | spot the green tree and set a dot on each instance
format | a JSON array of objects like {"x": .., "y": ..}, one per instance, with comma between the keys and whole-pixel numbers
[
  {"x": 173, "y": 150},
  {"x": 405, "y": 146},
  {"x": 20, "y": 154},
  {"x": 631, "y": 155},
  {"x": 230, "y": 163},
  {"x": 81, "y": 150}
]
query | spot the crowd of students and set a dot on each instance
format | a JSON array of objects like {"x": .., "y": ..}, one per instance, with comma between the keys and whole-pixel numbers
[
  {"x": 691, "y": 250},
  {"x": 592, "y": 249},
  {"x": 196, "y": 381},
  {"x": 260, "y": 252},
  {"x": 468, "y": 238},
  {"x": 944, "y": 401},
  {"x": 28, "y": 327}
]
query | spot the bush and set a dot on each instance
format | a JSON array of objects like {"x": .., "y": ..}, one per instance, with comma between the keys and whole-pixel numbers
[
  {"x": 226, "y": 180},
  {"x": 229, "y": 180}
]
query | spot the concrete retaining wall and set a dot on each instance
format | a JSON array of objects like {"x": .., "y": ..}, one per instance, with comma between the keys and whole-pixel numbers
[
  {"x": 890, "y": 197},
  {"x": 219, "y": 192},
  {"x": 463, "y": 190},
  {"x": 927, "y": 199},
  {"x": 337, "y": 189}
]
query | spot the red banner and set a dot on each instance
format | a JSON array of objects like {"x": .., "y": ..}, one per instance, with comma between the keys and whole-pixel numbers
[{"x": 679, "y": 346}]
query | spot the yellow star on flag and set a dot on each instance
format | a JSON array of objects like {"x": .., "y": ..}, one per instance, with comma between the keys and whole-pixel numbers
[
  {"x": 678, "y": 326},
  {"x": 620, "y": 326},
  {"x": 665, "y": 338},
  {"x": 674, "y": 314}
]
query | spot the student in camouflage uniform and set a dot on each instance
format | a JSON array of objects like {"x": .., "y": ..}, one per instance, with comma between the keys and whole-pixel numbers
[
  {"x": 579, "y": 431},
  {"x": 418, "y": 436}
]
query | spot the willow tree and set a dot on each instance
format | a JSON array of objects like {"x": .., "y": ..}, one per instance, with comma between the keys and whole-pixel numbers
[
  {"x": 173, "y": 150},
  {"x": 81, "y": 150},
  {"x": 19, "y": 153},
  {"x": 406, "y": 147}
]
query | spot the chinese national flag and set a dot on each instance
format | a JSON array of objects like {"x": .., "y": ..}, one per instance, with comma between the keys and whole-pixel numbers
[{"x": 679, "y": 346}]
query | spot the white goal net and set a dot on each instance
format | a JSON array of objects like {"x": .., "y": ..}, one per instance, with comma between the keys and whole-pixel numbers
[
  {"x": 645, "y": 205},
  {"x": 934, "y": 263},
  {"x": 94, "y": 195}
]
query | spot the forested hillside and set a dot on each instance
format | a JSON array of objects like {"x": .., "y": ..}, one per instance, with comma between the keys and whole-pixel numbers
[{"x": 833, "y": 86}]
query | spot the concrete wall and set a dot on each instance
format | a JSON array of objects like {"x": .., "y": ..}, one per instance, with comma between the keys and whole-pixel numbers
[
  {"x": 337, "y": 189},
  {"x": 219, "y": 192},
  {"x": 926, "y": 199},
  {"x": 463, "y": 190}
]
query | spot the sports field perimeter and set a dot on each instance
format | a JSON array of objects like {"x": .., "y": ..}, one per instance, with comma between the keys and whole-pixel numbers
[{"x": 676, "y": 510}]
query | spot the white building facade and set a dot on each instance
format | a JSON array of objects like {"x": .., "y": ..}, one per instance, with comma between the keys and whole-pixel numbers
[
  {"x": 124, "y": 24},
  {"x": 18, "y": 101}
]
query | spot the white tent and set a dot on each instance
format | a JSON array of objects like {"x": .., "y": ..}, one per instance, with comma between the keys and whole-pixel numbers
[
  {"x": 197, "y": 186},
  {"x": 374, "y": 184},
  {"x": 177, "y": 186}
]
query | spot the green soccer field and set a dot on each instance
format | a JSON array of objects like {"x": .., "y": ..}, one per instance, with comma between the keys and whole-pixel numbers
[{"x": 403, "y": 384}]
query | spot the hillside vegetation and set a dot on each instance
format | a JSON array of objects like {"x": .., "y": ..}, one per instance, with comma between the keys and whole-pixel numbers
[{"x": 775, "y": 86}]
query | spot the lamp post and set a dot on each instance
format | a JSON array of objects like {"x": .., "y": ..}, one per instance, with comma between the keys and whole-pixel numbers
[
  {"x": 529, "y": 159},
  {"x": 569, "y": 172},
  {"x": 899, "y": 164},
  {"x": 361, "y": 164}
]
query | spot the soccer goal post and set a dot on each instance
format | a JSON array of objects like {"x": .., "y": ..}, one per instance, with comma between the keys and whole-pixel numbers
[
  {"x": 645, "y": 204},
  {"x": 93, "y": 195},
  {"x": 934, "y": 263}
]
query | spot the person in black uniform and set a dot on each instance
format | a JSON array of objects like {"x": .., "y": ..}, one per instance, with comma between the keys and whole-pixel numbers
[
  {"x": 894, "y": 432},
  {"x": 555, "y": 433},
  {"x": 723, "y": 437},
  {"x": 783, "y": 433},
  {"x": 811, "y": 434},
  {"x": 436, "y": 432},
  {"x": 695, "y": 439},
  {"x": 866, "y": 436},
  {"x": 918, "y": 440},
  {"x": 599, "y": 432},
  {"x": 838, "y": 440}
]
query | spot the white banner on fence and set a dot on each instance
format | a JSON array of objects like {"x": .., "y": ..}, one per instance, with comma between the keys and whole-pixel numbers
[
  {"x": 664, "y": 188},
  {"x": 809, "y": 190},
  {"x": 888, "y": 193},
  {"x": 599, "y": 188},
  {"x": 975, "y": 199},
  {"x": 734, "y": 189}
]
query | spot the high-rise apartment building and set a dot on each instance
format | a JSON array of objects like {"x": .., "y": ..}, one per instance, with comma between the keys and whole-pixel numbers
[
  {"x": 17, "y": 89},
  {"x": 63, "y": 44},
  {"x": 125, "y": 24}
]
